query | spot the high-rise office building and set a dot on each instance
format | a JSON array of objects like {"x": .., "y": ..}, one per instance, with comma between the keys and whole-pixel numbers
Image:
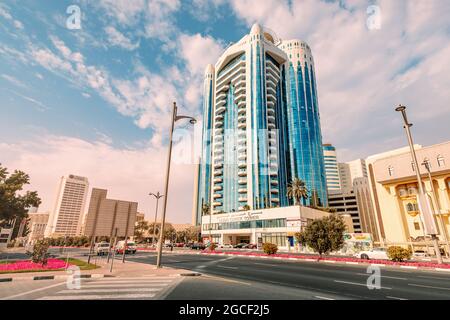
[
  {"x": 261, "y": 126},
  {"x": 65, "y": 219},
  {"x": 331, "y": 167}
]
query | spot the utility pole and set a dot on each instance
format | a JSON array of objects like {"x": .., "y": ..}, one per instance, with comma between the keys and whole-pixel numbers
[
  {"x": 422, "y": 200},
  {"x": 437, "y": 210},
  {"x": 175, "y": 118}
]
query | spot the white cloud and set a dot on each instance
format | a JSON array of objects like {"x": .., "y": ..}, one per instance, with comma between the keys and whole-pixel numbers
[
  {"x": 141, "y": 171},
  {"x": 38, "y": 104},
  {"x": 116, "y": 38},
  {"x": 360, "y": 73},
  {"x": 13, "y": 80}
]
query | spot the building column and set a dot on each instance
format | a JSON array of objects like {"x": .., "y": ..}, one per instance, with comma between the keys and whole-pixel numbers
[
  {"x": 443, "y": 195},
  {"x": 401, "y": 216}
]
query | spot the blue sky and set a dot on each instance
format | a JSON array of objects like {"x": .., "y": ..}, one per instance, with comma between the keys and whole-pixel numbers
[{"x": 96, "y": 101}]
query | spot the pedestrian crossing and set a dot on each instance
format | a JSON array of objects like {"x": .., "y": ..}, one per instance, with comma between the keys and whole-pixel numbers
[{"x": 119, "y": 288}]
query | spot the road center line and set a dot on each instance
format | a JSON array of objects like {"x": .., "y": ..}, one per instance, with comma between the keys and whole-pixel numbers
[
  {"x": 358, "y": 284},
  {"x": 388, "y": 277},
  {"x": 323, "y": 298},
  {"x": 395, "y": 298},
  {"x": 228, "y": 267}
]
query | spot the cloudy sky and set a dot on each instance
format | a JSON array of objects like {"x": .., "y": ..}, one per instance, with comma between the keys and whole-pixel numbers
[{"x": 96, "y": 101}]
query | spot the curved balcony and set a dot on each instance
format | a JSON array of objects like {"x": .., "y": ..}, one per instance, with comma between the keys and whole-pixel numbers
[
  {"x": 225, "y": 86},
  {"x": 218, "y": 124},
  {"x": 242, "y": 190},
  {"x": 217, "y": 203},
  {"x": 217, "y": 188},
  {"x": 217, "y": 180},
  {"x": 270, "y": 112},
  {"x": 239, "y": 90},
  {"x": 271, "y": 90},
  {"x": 242, "y": 173},
  {"x": 242, "y": 181},
  {"x": 242, "y": 104},
  {"x": 270, "y": 103},
  {"x": 271, "y": 125},
  {"x": 273, "y": 149},
  {"x": 275, "y": 199},
  {"x": 242, "y": 164},
  {"x": 241, "y": 148},
  {"x": 220, "y": 109},
  {"x": 217, "y": 195},
  {"x": 242, "y": 125},
  {"x": 274, "y": 182},
  {"x": 239, "y": 97},
  {"x": 273, "y": 173},
  {"x": 218, "y": 117},
  {"x": 243, "y": 199},
  {"x": 242, "y": 157},
  {"x": 218, "y": 165},
  {"x": 272, "y": 76},
  {"x": 218, "y": 131},
  {"x": 242, "y": 112},
  {"x": 271, "y": 97},
  {"x": 220, "y": 96},
  {"x": 276, "y": 191}
]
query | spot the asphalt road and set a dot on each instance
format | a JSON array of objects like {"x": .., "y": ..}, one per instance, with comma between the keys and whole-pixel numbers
[
  {"x": 255, "y": 278},
  {"x": 248, "y": 278}
]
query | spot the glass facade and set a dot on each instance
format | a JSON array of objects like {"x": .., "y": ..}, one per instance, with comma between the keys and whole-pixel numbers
[{"x": 263, "y": 111}]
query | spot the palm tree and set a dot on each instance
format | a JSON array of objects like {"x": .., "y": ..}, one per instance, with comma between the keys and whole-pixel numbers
[
  {"x": 206, "y": 209},
  {"x": 297, "y": 190}
]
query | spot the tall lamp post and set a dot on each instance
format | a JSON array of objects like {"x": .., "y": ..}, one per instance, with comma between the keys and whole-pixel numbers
[
  {"x": 422, "y": 200},
  {"x": 157, "y": 196},
  {"x": 175, "y": 118},
  {"x": 437, "y": 209}
]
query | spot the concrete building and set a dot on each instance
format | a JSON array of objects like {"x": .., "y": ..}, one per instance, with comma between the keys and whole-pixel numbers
[
  {"x": 140, "y": 217},
  {"x": 261, "y": 129},
  {"x": 331, "y": 168},
  {"x": 345, "y": 203},
  {"x": 380, "y": 235},
  {"x": 66, "y": 217},
  {"x": 395, "y": 188},
  {"x": 37, "y": 223},
  {"x": 106, "y": 215}
]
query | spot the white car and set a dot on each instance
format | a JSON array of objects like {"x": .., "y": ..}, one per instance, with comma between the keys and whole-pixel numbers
[
  {"x": 375, "y": 253},
  {"x": 130, "y": 248},
  {"x": 226, "y": 245}
]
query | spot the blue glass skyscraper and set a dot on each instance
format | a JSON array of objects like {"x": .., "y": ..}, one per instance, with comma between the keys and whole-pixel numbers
[{"x": 261, "y": 126}]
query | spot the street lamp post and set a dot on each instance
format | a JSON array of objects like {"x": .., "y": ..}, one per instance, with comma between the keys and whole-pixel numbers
[
  {"x": 424, "y": 205},
  {"x": 175, "y": 118},
  {"x": 437, "y": 209},
  {"x": 157, "y": 196}
]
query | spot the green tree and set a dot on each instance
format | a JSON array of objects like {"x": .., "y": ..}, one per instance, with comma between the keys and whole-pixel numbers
[
  {"x": 40, "y": 252},
  {"x": 140, "y": 230},
  {"x": 324, "y": 235},
  {"x": 192, "y": 233},
  {"x": 297, "y": 190},
  {"x": 14, "y": 203},
  {"x": 206, "y": 209}
]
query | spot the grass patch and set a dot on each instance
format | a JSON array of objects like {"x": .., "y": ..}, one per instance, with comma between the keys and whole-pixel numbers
[
  {"x": 7, "y": 261},
  {"x": 83, "y": 265}
]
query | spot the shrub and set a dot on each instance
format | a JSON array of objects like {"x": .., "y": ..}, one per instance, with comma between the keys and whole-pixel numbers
[
  {"x": 40, "y": 252},
  {"x": 270, "y": 248},
  {"x": 212, "y": 246},
  {"x": 399, "y": 254}
]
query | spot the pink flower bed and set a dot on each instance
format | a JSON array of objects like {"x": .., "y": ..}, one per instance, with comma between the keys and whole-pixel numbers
[
  {"x": 52, "y": 264},
  {"x": 337, "y": 259}
]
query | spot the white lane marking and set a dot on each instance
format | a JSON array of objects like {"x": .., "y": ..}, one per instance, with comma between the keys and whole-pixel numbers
[
  {"x": 329, "y": 261},
  {"x": 395, "y": 298},
  {"x": 98, "y": 297},
  {"x": 408, "y": 267},
  {"x": 33, "y": 291},
  {"x": 313, "y": 260},
  {"x": 112, "y": 285},
  {"x": 437, "y": 278},
  {"x": 358, "y": 284},
  {"x": 351, "y": 262},
  {"x": 442, "y": 269},
  {"x": 387, "y": 277},
  {"x": 429, "y": 287},
  {"x": 129, "y": 282},
  {"x": 323, "y": 298},
  {"x": 266, "y": 264},
  {"x": 93, "y": 290},
  {"x": 201, "y": 267},
  {"x": 225, "y": 267}
]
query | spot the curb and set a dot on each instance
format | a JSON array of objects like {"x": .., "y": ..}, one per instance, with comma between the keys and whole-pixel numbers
[
  {"x": 337, "y": 262},
  {"x": 55, "y": 277}
]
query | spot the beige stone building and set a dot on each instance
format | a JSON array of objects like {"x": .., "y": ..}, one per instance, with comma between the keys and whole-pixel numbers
[
  {"x": 394, "y": 188},
  {"x": 105, "y": 215},
  {"x": 36, "y": 224}
]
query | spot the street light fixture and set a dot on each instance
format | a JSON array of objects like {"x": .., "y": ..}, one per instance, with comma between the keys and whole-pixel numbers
[
  {"x": 422, "y": 200},
  {"x": 175, "y": 118},
  {"x": 157, "y": 196}
]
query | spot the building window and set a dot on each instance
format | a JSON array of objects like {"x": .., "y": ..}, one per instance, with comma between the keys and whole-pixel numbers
[
  {"x": 440, "y": 160},
  {"x": 391, "y": 171},
  {"x": 416, "y": 226},
  {"x": 413, "y": 166}
]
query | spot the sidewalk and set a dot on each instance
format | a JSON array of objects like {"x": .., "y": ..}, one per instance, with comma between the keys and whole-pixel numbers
[{"x": 120, "y": 269}]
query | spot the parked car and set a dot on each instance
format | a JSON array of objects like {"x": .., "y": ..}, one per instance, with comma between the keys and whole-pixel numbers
[
  {"x": 226, "y": 246},
  {"x": 168, "y": 245},
  {"x": 241, "y": 245},
  {"x": 250, "y": 246},
  {"x": 130, "y": 248},
  {"x": 420, "y": 254},
  {"x": 198, "y": 246},
  {"x": 375, "y": 253},
  {"x": 101, "y": 248}
]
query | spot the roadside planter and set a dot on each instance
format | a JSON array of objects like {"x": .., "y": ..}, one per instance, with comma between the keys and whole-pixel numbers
[{"x": 334, "y": 259}]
